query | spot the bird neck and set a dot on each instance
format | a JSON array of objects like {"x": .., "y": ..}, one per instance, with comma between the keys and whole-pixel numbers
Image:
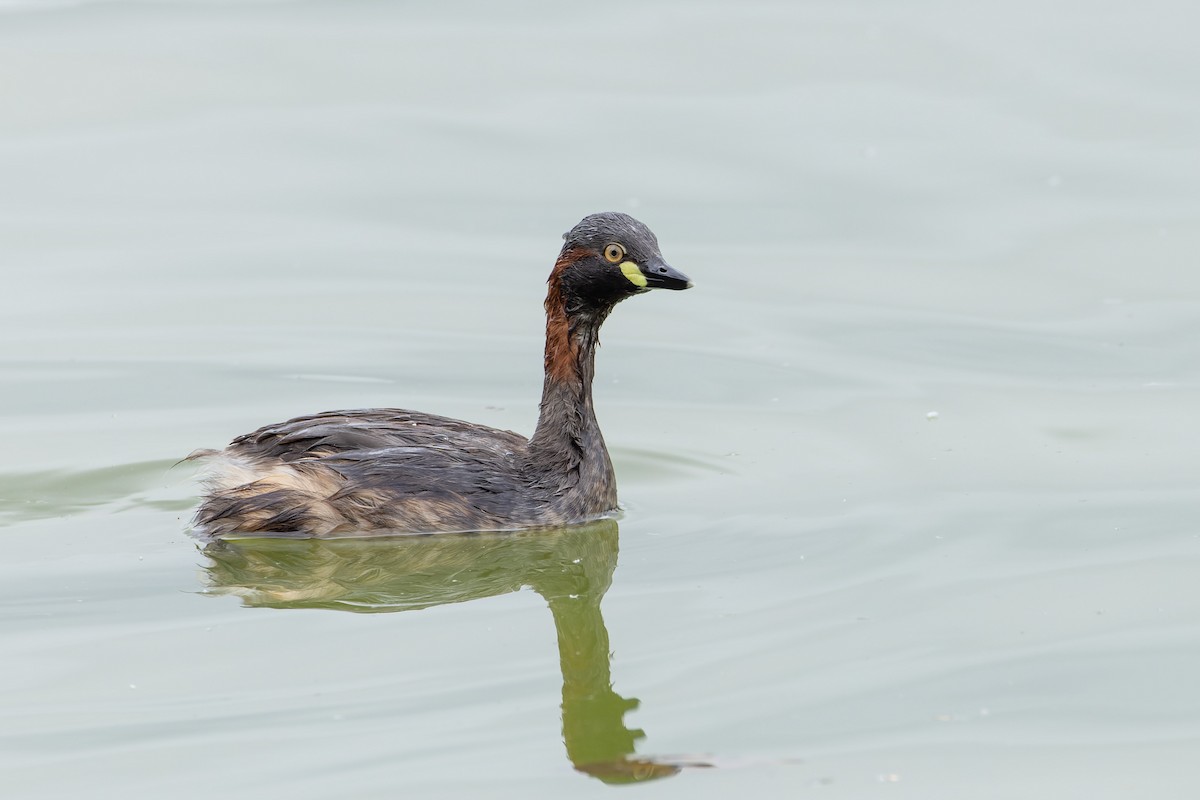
[{"x": 567, "y": 432}]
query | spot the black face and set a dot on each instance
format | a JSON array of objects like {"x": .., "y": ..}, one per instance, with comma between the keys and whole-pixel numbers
[{"x": 611, "y": 256}]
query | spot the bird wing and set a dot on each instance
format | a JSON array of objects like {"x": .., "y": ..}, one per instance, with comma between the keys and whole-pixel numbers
[{"x": 368, "y": 431}]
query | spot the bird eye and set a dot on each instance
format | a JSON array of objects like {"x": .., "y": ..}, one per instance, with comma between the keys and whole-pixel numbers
[{"x": 614, "y": 252}]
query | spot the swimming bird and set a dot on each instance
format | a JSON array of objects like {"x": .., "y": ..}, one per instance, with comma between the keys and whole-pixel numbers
[{"x": 393, "y": 470}]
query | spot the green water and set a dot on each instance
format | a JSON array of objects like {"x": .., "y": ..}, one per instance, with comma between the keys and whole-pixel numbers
[{"x": 909, "y": 477}]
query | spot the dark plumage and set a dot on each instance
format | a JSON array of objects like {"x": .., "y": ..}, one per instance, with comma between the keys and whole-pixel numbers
[{"x": 404, "y": 471}]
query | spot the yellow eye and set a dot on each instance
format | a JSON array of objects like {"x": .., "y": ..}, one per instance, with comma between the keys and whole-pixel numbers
[{"x": 614, "y": 252}]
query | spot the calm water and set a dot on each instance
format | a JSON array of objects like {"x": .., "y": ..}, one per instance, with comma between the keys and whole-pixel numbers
[{"x": 910, "y": 477}]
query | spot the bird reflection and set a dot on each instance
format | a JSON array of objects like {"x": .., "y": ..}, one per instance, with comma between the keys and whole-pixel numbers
[{"x": 571, "y": 568}]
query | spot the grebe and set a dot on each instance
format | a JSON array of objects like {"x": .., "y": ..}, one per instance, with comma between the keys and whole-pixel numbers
[{"x": 391, "y": 470}]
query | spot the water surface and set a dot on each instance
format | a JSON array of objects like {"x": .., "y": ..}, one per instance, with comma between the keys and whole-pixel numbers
[{"x": 910, "y": 477}]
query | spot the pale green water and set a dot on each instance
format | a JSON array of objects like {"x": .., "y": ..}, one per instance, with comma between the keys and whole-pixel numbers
[{"x": 218, "y": 215}]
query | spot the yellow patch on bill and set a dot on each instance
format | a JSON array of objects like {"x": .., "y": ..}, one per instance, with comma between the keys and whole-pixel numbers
[{"x": 633, "y": 272}]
